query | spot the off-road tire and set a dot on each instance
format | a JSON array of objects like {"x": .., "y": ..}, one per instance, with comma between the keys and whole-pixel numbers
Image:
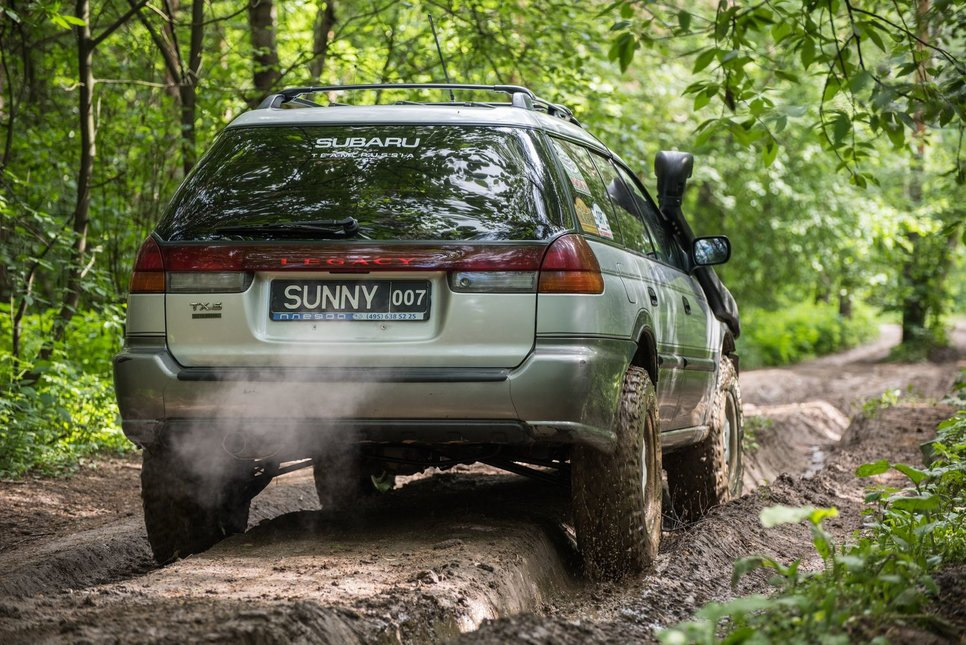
[
  {"x": 705, "y": 475},
  {"x": 187, "y": 512},
  {"x": 341, "y": 479},
  {"x": 617, "y": 495}
]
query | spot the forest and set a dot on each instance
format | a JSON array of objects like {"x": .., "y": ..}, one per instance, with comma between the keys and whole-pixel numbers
[{"x": 828, "y": 137}]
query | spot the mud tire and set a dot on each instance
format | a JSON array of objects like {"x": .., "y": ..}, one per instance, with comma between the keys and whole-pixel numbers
[
  {"x": 186, "y": 512},
  {"x": 705, "y": 475},
  {"x": 617, "y": 496}
]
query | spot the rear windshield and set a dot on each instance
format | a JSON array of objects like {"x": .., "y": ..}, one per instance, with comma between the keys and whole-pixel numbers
[{"x": 401, "y": 182}]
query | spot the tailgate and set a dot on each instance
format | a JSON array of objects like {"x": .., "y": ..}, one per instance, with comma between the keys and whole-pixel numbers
[{"x": 351, "y": 306}]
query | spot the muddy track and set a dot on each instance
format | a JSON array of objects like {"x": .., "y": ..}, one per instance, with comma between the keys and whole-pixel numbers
[{"x": 470, "y": 554}]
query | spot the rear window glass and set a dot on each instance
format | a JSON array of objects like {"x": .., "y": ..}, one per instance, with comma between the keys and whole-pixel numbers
[{"x": 401, "y": 182}]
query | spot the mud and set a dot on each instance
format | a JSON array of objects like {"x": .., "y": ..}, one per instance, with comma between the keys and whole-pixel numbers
[{"x": 470, "y": 554}]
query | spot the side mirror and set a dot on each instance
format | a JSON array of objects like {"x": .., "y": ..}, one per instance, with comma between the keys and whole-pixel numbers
[
  {"x": 673, "y": 170},
  {"x": 708, "y": 251}
]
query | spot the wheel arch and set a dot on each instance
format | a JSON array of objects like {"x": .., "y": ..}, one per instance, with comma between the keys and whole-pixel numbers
[
  {"x": 646, "y": 354},
  {"x": 730, "y": 349}
]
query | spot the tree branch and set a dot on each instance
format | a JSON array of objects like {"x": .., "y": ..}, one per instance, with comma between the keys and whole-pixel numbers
[
  {"x": 110, "y": 29},
  {"x": 172, "y": 64},
  {"x": 952, "y": 59}
]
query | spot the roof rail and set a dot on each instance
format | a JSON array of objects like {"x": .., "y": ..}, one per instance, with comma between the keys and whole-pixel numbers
[{"x": 520, "y": 97}]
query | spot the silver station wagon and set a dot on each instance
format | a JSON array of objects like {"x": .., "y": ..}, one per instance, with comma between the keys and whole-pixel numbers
[{"x": 373, "y": 290}]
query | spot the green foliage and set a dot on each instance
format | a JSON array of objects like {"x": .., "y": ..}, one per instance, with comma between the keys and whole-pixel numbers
[
  {"x": 69, "y": 411},
  {"x": 798, "y": 332},
  {"x": 752, "y": 429},
  {"x": 873, "y": 406},
  {"x": 883, "y": 577},
  {"x": 883, "y": 70}
]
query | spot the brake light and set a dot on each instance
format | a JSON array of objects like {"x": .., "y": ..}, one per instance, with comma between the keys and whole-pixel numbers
[
  {"x": 570, "y": 267},
  {"x": 148, "y": 276},
  {"x": 196, "y": 270}
]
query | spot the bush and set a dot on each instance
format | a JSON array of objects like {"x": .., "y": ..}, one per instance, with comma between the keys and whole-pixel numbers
[
  {"x": 799, "y": 332},
  {"x": 66, "y": 409}
]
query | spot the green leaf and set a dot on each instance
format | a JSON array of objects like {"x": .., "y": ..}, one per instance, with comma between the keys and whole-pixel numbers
[
  {"x": 684, "y": 20},
  {"x": 841, "y": 126},
  {"x": 831, "y": 89},
  {"x": 916, "y": 503},
  {"x": 744, "y": 566},
  {"x": 851, "y": 562},
  {"x": 704, "y": 59},
  {"x": 914, "y": 474},
  {"x": 775, "y": 515},
  {"x": 807, "y": 51},
  {"x": 769, "y": 152},
  {"x": 627, "y": 45},
  {"x": 875, "y": 468},
  {"x": 860, "y": 80}
]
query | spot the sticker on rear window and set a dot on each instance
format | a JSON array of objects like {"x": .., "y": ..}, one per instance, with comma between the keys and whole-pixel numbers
[
  {"x": 363, "y": 142},
  {"x": 587, "y": 221},
  {"x": 600, "y": 218},
  {"x": 573, "y": 172}
]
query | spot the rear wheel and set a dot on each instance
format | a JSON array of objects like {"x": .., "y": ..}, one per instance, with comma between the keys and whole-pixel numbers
[
  {"x": 186, "y": 512},
  {"x": 617, "y": 495},
  {"x": 709, "y": 473}
]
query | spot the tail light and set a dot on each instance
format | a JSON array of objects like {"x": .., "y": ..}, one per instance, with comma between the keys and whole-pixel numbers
[
  {"x": 189, "y": 270},
  {"x": 148, "y": 276},
  {"x": 570, "y": 267}
]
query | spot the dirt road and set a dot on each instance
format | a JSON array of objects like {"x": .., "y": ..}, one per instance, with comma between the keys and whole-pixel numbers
[{"x": 470, "y": 554}]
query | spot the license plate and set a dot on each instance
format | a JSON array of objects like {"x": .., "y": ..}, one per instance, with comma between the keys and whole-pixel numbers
[{"x": 349, "y": 300}]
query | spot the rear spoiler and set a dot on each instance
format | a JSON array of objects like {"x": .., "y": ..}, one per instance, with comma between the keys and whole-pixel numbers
[{"x": 673, "y": 170}]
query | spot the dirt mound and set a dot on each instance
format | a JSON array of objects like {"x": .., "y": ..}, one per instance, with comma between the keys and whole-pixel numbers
[
  {"x": 115, "y": 547},
  {"x": 794, "y": 439},
  {"x": 430, "y": 560}
]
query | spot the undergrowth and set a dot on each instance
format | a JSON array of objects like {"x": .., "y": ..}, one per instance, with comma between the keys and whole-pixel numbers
[
  {"x": 56, "y": 412},
  {"x": 751, "y": 431},
  {"x": 883, "y": 578},
  {"x": 800, "y": 331}
]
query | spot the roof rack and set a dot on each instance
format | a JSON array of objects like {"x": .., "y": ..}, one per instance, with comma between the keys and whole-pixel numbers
[{"x": 520, "y": 97}]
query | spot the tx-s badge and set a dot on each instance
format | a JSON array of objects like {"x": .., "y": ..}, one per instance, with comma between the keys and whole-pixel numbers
[{"x": 205, "y": 309}]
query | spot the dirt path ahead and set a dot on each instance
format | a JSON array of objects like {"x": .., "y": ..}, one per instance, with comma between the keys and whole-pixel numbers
[{"x": 443, "y": 555}]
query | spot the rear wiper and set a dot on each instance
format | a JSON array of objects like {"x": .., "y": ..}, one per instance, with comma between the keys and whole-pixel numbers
[{"x": 346, "y": 227}]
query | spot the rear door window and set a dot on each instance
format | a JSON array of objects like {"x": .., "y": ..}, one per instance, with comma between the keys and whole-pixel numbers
[
  {"x": 591, "y": 203},
  {"x": 401, "y": 182},
  {"x": 636, "y": 237}
]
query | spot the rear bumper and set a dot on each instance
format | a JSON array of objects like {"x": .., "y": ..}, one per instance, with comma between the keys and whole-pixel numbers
[{"x": 566, "y": 391}]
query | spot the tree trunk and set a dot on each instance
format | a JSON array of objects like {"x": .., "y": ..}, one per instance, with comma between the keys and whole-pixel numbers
[
  {"x": 914, "y": 283},
  {"x": 261, "y": 20},
  {"x": 85, "y": 169},
  {"x": 188, "y": 87},
  {"x": 324, "y": 22}
]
